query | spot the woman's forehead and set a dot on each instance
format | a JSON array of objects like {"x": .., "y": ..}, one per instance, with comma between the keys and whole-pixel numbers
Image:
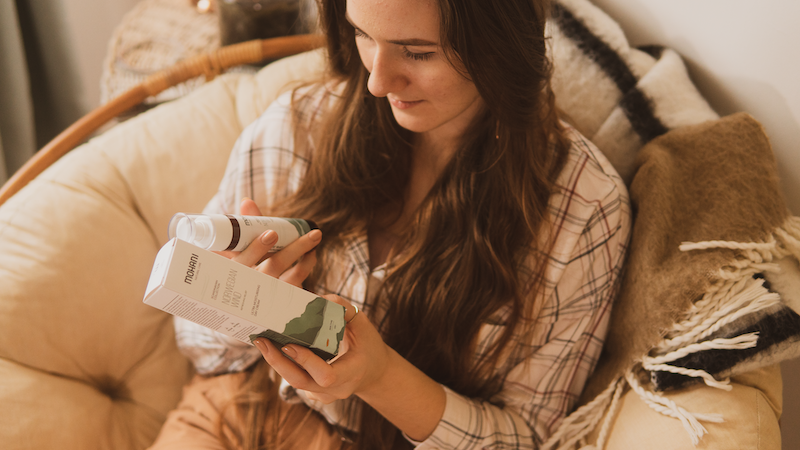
[{"x": 395, "y": 19}]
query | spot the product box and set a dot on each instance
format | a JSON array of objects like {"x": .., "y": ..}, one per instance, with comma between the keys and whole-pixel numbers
[{"x": 223, "y": 295}]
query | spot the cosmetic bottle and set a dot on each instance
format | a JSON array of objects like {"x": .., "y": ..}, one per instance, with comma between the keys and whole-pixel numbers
[{"x": 217, "y": 232}]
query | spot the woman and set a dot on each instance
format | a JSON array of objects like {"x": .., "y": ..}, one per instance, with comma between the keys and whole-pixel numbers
[{"x": 480, "y": 238}]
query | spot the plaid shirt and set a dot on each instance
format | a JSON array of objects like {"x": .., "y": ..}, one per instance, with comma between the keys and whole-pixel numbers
[{"x": 590, "y": 224}]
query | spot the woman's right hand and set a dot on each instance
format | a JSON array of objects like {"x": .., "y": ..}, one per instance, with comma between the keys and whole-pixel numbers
[{"x": 291, "y": 264}]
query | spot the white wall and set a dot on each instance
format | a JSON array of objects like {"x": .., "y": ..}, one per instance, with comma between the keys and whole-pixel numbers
[
  {"x": 743, "y": 56},
  {"x": 65, "y": 45},
  {"x": 88, "y": 25}
]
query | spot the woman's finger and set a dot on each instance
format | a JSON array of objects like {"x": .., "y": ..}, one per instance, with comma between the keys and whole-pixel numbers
[
  {"x": 255, "y": 252},
  {"x": 295, "y": 375},
  {"x": 260, "y": 246},
  {"x": 305, "y": 370},
  {"x": 300, "y": 369},
  {"x": 289, "y": 255},
  {"x": 300, "y": 271},
  {"x": 321, "y": 372},
  {"x": 247, "y": 207}
]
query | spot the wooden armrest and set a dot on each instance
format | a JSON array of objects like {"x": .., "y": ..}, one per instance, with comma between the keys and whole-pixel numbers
[{"x": 209, "y": 64}]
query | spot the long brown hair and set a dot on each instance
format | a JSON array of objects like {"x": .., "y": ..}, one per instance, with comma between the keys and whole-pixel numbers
[{"x": 485, "y": 215}]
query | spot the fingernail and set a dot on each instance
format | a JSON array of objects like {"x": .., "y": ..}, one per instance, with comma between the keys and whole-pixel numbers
[
  {"x": 290, "y": 352},
  {"x": 260, "y": 345},
  {"x": 269, "y": 238},
  {"x": 315, "y": 235}
]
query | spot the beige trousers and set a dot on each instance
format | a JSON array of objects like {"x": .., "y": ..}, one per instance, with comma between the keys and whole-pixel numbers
[{"x": 194, "y": 424}]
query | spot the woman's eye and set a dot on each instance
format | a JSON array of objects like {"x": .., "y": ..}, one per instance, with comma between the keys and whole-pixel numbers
[
  {"x": 417, "y": 56},
  {"x": 360, "y": 34}
]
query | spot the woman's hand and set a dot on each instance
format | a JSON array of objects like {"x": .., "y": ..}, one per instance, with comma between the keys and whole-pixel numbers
[
  {"x": 292, "y": 264},
  {"x": 361, "y": 363}
]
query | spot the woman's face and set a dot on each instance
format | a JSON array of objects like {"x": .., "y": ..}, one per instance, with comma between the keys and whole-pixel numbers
[{"x": 398, "y": 41}]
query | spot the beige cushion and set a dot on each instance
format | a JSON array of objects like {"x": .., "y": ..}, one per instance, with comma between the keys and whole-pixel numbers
[
  {"x": 84, "y": 363},
  {"x": 750, "y": 412}
]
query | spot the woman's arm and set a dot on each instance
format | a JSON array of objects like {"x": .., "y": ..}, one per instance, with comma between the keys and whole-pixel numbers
[
  {"x": 545, "y": 380},
  {"x": 368, "y": 368},
  {"x": 537, "y": 394}
]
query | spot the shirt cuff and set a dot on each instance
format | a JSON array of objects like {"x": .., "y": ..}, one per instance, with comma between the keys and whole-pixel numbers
[{"x": 460, "y": 414}]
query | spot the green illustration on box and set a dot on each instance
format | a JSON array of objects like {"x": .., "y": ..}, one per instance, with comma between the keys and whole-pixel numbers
[{"x": 320, "y": 328}]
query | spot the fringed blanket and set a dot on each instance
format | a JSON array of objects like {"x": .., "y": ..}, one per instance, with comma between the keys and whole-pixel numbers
[{"x": 712, "y": 281}]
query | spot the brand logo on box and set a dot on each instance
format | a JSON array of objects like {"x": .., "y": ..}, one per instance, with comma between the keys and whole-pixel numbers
[{"x": 190, "y": 271}]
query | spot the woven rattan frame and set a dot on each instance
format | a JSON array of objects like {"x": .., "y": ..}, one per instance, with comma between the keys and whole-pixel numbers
[{"x": 209, "y": 64}]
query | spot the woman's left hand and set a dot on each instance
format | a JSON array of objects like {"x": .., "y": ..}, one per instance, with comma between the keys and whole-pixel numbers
[{"x": 361, "y": 363}]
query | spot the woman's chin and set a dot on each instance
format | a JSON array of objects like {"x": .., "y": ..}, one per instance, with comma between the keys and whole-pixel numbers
[{"x": 413, "y": 124}]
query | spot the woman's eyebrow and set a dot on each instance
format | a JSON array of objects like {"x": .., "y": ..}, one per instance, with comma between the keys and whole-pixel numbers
[{"x": 411, "y": 42}]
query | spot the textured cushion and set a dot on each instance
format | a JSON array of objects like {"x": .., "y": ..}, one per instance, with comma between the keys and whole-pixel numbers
[
  {"x": 750, "y": 412},
  {"x": 84, "y": 363}
]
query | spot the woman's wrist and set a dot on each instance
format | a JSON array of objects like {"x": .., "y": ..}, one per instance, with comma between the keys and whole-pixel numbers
[{"x": 407, "y": 397}]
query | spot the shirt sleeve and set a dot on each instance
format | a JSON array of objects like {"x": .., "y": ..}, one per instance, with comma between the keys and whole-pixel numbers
[
  {"x": 544, "y": 386},
  {"x": 255, "y": 169}
]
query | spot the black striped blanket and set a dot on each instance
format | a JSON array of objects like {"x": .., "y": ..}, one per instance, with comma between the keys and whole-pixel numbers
[{"x": 712, "y": 283}]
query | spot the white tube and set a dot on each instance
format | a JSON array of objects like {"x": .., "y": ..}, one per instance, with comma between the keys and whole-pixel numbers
[{"x": 219, "y": 232}]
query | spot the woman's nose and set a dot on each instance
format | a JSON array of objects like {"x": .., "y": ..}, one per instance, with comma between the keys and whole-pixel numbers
[{"x": 386, "y": 76}]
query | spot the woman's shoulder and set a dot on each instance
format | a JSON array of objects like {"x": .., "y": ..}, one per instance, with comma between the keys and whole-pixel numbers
[
  {"x": 308, "y": 102},
  {"x": 589, "y": 196},
  {"x": 304, "y": 102},
  {"x": 587, "y": 175},
  {"x": 590, "y": 218},
  {"x": 294, "y": 113}
]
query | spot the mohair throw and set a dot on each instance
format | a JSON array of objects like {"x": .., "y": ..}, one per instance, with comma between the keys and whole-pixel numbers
[
  {"x": 711, "y": 287},
  {"x": 716, "y": 181}
]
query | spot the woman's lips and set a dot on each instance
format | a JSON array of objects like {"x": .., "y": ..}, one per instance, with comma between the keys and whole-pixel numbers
[{"x": 400, "y": 104}]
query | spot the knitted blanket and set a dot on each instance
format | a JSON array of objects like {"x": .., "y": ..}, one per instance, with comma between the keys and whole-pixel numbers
[{"x": 712, "y": 284}]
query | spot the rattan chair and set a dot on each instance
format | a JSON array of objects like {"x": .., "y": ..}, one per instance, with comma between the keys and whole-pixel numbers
[{"x": 208, "y": 64}]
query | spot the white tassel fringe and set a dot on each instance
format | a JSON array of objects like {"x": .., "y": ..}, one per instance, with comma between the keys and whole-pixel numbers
[{"x": 734, "y": 294}]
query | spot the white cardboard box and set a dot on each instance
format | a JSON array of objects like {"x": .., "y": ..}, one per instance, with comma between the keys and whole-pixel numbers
[{"x": 223, "y": 295}]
